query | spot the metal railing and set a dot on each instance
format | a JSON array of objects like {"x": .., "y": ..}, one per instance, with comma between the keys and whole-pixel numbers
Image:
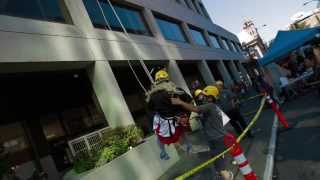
[{"x": 88, "y": 143}]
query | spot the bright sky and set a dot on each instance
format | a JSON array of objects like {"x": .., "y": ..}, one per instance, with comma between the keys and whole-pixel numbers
[{"x": 276, "y": 14}]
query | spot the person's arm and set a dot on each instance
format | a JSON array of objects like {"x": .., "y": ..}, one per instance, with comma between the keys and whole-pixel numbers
[{"x": 187, "y": 106}]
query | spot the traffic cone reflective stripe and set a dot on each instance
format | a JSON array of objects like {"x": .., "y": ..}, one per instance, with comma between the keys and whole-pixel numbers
[
  {"x": 240, "y": 159},
  {"x": 276, "y": 109},
  {"x": 237, "y": 154},
  {"x": 246, "y": 170}
]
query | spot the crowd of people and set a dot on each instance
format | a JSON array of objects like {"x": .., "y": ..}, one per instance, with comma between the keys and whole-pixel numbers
[{"x": 216, "y": 106}]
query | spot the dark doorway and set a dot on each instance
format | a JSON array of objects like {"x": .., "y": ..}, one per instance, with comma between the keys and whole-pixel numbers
[
  {"x": 45, "y": 110},
  {"x": 191, "y": 74},
  {"x": 215, "y": 70}
]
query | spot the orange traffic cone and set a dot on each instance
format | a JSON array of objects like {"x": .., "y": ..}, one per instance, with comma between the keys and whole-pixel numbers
[
  {"x": 277, "y": 110},
  {"x": 237, "y": 154}
]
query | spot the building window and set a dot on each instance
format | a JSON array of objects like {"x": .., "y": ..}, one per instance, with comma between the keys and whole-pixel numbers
[
  {"x": 48, "y": 10},
  {"x": 187, "y": 2},
  {"x": 215, "y": 41},
  {"x": 225, "y": 44},
  {"x": 198, "y": 36},
  {"x": 131, "y": 18},
  {"x": 233, "y": 46},
  {"x": 171, "y": 30}
]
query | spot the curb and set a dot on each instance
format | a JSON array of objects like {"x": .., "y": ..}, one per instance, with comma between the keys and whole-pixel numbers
[{"x": 268, "y": 172}]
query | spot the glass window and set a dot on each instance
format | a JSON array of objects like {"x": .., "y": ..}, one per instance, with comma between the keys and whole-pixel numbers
[
  {"x": 131, "y": 18},
  {"x": 233, "y": 46},
  {"x": 95, "y": 14},
  {"x": 49, "y": 10},
  {"x": 225, "y": 43},
  {"x": 171, "y": 30},
  {"x": 215, "y": 41},
  {"x": 198, "y": 37}
]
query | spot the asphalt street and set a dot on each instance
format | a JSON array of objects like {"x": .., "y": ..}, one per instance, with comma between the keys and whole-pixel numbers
[{"x": 298, "y": 149}]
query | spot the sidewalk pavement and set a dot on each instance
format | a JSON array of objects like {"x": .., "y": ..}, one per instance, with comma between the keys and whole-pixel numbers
[{"x": 255, "y": 149}]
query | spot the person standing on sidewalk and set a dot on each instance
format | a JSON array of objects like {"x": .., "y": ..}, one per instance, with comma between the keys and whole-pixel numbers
[
  {"x": 227, "y": 102},
  {"x": 212, "y": 122}
]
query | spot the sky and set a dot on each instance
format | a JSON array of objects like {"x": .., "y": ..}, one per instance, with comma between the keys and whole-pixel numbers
[{"x": 276, "y": 14}]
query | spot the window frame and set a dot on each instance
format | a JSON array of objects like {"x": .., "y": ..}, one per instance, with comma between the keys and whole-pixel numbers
[
  {"x": 44, "y": 17},
  {"x": 173, "y": 21},
  {"x": 127, "y": 7},
  {"x": 217, "y": 38},
  {"x": 194, "y": 28}
]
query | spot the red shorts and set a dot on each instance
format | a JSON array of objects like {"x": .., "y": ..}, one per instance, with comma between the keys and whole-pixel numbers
[{"x": 174, "y": 138}]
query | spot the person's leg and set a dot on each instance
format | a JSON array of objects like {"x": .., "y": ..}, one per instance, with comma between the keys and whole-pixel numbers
[
  {"x": 185, "y": 143},
  {"x": 234, "y": 123},
  {"x": 163, "y": 153},
  {"x": 242, "y": 122},
  {"x": 216, "y": 147}
]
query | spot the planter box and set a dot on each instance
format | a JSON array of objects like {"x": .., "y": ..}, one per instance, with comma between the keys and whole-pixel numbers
[{"x": 140, "y": 163}]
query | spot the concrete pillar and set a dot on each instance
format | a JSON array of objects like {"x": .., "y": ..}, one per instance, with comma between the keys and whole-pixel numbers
[
  {"x": 79, "y": 16},
  {"x": 206, "y": 72},
  {"x": 153, "y": 25},
  {"x": 177, "y": 77},
  {"x": 225, "y": 75},
  {"x": 109, "y": 95},
  {"x": 234, "y": 70},
  {"x": 187, "y": 32}
]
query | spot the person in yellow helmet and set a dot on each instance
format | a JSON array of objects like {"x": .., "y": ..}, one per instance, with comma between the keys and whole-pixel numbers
[
  {"x": 198, "y": 96},
  {"x": 211, "y": 118},
  {"x": 227, "y": 102},
  {"x": 161, "y": 75},
  {"x": 168, "y": 120}
]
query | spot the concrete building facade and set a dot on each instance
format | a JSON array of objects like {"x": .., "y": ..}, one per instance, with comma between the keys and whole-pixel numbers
[{"x": 83, "y": 42}]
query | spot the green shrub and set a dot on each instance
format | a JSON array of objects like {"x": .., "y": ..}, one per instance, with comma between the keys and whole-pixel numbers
[{"x": 115, "y": 143}]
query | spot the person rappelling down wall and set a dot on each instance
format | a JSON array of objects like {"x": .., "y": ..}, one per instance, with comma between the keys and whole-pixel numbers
[{"x": 169, "y": 120}]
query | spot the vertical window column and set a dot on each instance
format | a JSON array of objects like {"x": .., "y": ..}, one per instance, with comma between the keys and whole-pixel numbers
[
  {"x": 190, "y": 4},
  {"x": 187, "y": 32},
  {"x": 197, "y": 7},
  {"x": 151, "y": 22},
  {"x": 207, "y": 37}
]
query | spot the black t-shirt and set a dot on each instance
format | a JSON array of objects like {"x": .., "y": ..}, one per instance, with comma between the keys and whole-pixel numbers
[{"x": 160, "y": 102}]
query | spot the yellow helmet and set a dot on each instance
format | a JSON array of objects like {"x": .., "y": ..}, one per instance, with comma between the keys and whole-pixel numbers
[
  {"x": 197, "y": 92},
  {"x": 211, "y": 91},
  {"x": 161, "y": 75}
]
